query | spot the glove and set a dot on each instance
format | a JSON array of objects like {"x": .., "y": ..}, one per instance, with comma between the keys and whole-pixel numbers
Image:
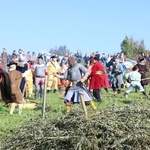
[{"x": 46, "y": 73}]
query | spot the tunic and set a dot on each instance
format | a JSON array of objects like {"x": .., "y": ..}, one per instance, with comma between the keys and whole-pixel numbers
[
  {"x": 97, "y": 80},
  {"x": 142, "y": 70},
  {"x": 10, "y": 86},
  {"x": 73, "y": 75},
  {"x": 15, "y": 79}
]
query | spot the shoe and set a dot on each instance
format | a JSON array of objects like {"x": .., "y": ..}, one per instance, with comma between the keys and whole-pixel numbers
[
  {"x": 49, "y": 91},
  {"x": 118, "y": 91},
  {"x": 106, "y": 89},
  {"x": 126, "y": 95},
  {"x": 115, "y": 92},
  {"x": 68, "y": 108},
  {"x": 100, "y": 101},
  {"x": 54, "y": 91}
]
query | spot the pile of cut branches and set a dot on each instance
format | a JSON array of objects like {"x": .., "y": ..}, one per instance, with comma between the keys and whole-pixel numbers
[{"x": 123, "y": 128}]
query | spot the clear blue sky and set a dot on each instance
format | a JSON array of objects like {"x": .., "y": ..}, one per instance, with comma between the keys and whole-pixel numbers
[{"x": 87, "y": 25}]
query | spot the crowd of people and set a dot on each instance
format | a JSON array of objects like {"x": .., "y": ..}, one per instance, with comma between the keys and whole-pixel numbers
[{"x": 77, "y": 77}]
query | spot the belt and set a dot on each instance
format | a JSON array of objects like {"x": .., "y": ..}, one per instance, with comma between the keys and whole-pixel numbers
[
  {"x": 99, "y": 72},
  {"x": 73, "y": 83},
  {"x": 40, "y": 76}
]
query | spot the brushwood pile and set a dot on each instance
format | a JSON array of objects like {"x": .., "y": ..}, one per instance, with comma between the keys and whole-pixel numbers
[{"x": 126, "y": 127}]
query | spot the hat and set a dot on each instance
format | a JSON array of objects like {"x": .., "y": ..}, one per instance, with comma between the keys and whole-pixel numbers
[
  {"x": 141, "y": 58},
  {"x": 12, "y": 63},
  {"x": 53, "y": 56},
  {"x": 40, "y": 57},
  {"x": 72, "y": 60}
]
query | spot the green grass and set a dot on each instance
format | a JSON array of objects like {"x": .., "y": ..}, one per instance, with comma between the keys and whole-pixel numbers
[{"x": 55, "y": 107}]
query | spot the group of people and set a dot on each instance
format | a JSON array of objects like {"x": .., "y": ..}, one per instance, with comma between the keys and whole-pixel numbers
[{"x": 76, "y": 76}]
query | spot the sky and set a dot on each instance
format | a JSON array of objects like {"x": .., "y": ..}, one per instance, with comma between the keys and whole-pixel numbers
[{"x": 87, "y": 25}]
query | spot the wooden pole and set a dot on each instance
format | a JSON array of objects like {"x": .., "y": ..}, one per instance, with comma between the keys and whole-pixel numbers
[
  {"x": 146, "y": 78},
  {"x": 44, "y": 97},
  {"x": 83, "y": 105}
]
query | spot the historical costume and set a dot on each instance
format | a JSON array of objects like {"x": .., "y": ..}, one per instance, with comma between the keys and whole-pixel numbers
[
  {"x": 22, "y": 66},
  {"x": 1, "y": 66},
  {"x": 39, "y": 73},
  {"x": 76, "y": 74},
  {"x": 10, "y": 88},
  {"x": 143, "y": 70},
  {"x": 53, "y": 68},
  {"x": 63, "y": 83},
  {"x": 97, "y": 78},
  {"x": 29, "y": 79},
  {"x": 134, "y": 77},
  {"x": 117, "y": 72},
  {"x": 4, "y": 57}
]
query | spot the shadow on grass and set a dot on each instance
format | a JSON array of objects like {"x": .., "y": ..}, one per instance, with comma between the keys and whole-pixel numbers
[{"x": 127, "y": 101}]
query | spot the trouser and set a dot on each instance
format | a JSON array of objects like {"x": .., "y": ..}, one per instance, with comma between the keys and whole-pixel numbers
[
  {"x": 39, "y": 93},
  {"x": 39, "y": 88},
  {"x": 96, "y": 94},
  {"x": 68, "y": 107},
  {"x": 12, "y": 108},
  {"x": 29, "y": 88},
  {"x": 118, "y": 82},
  {"x": 138, "y": 86},
  {"x": 52, "y": 83}
]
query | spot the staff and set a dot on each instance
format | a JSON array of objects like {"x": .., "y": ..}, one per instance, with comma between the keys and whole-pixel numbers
[{"x": 44, "y": 97}]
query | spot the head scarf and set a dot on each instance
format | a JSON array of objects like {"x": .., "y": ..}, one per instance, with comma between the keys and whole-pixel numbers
[{"x": 72, "y": 61}]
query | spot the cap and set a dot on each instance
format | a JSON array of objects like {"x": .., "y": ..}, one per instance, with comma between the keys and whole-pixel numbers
[
  {"x": 53, "y": 56},
  {"x": 12, "y": 63},
  {"x": 141, "y": 58}
]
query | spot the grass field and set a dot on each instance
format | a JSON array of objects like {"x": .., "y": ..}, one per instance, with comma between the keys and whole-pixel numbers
[{"x": 55, "y": 107}]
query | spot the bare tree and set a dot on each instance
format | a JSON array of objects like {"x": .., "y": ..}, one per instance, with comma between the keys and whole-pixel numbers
[{"x": 61, "y": 50}]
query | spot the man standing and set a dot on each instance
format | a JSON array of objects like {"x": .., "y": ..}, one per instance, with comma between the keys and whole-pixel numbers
[
  {"x": 78, "y": 56},
  {"x": 10, "y": 87},
  {"x": 117, "y": 72},
  {"x": 76, "y": 74},
  {"x": 40, "y": 70},
  {"x": 4, "y": 57},
  {"x": 53, "y": 68}
]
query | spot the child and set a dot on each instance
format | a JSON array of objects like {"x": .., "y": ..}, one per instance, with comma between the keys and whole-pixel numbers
[{"x": 135, "y": 81}]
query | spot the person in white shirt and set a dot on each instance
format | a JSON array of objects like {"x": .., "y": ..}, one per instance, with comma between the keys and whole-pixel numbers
[{"x": 134, "y": 77}]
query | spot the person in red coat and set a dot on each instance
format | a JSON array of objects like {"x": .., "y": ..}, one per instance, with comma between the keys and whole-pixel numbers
[{"x": 97, "y": 78}]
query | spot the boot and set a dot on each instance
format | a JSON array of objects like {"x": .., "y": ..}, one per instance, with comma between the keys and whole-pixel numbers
[
  {"x": 68, "y": 108},
  {"x": 144, "y": 93},
  {"x": 20, "y": 109},
  {"x": 125, "y": 95},
  {"x": 93, "y": 106},
  {"x": 12, "y": 107}
]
